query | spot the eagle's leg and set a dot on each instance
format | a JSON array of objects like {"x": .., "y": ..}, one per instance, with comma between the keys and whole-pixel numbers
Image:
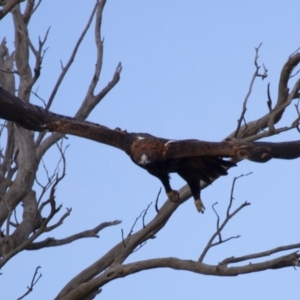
[
  {"x": 191, "y": 176},
  {"x": 199, "y": 205},
  {"x": 195, "y": 189},
  {"x": 165, "y": 180}
]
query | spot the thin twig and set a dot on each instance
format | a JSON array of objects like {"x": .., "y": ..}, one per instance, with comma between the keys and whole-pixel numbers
[
  {"x": 255, "y": 75},
  {"x": 156, "y": 201},
  {"x": 123, "y": 240},
  {"x": 136, "y": 219},
  {"x": 140, "y": 246},
  {"x": 294, "y": 53},
  {"x": 297, "y": 121},
  {"x": 218, "y": 220},
  {"x": 51, "y": 242},
  {"x": 229, "y": 216},
  {"x": 231, "y": 260},
  {"x": 296, "y": 73},
  {"x": 71, "y": 59},
  {"x": 232, "y": 191},
  {"x": 34, "y": 281},
  {"x": 269, "y": 102},
  {"x": 60, "y": 221},
  {"x": 144, "y": 215},
  {"x": 39, "y": 97}
]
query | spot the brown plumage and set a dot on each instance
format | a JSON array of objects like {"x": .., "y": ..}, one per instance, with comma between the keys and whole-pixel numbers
[{"x": 193, "y": 160}]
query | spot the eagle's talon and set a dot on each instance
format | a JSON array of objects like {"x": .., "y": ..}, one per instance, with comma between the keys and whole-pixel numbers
[
  {"x": 200, "y": 206},
  {"x": 173, "y": 196}
]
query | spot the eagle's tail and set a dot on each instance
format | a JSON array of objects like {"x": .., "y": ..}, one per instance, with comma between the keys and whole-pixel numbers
[{"x": 210, "y": 168}]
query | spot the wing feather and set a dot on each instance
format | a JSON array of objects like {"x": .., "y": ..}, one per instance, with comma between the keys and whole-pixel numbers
[
  {"x": 255, "y": 151},
  {"x": 193, "y": 148},
  {"x": 283, "y": 150},
  {"x": 210, "y": 167},
  {"x": 33, "y": 117}
]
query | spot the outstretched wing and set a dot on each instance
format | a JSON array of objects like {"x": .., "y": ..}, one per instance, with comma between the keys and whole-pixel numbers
[
  {"x": 36, "y": 118},
  {"x": 193, "y": 148},
  {"x": 255, "y": 151},
  {"x": 283, "y": 150},
  {"x": 33, "y": 117}
]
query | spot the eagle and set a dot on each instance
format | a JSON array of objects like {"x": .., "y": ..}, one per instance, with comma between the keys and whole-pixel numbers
[{"x": 193, "y": 160}]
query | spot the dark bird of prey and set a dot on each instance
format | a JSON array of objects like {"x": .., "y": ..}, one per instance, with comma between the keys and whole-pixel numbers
[{"x": 193, "y": 160}]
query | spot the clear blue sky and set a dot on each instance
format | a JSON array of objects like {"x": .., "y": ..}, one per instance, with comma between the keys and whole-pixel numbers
[{"x": 186, "y": 69}]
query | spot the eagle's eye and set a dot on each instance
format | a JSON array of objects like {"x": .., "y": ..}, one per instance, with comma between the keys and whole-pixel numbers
[{"x": 144, "y": 159}]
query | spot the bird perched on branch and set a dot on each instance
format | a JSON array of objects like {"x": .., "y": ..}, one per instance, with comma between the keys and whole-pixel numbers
[{"x": 193, "y": 160}]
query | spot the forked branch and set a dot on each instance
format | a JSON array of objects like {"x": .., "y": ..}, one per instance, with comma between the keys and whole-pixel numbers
[
  {"x": 52, "y": 242},
  {"x": 120, "y": 271},
  {"x": 36, "y": 277},
  {"x": 255, "y": 75},
  {"x": 229, "y": 216},
  {"x": 254, "y": 130}
]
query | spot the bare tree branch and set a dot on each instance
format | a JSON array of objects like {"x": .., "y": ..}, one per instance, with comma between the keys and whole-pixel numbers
[
  {"x": 142, "y": 215},
  {"x": 156, "y": 201},
  {"x": 255, "y": 75},
  {"x": 71, "y": 59},
  {"x": 20, "y": 160},
  {"x": 250, "y": 131},
  {"x": 231, "y": 260},
  {"x": 119, "y": 253},
  {"x": 34, "y": 281},
  {"x": 7, "y": 72},
  {"x": 269, "y": 102},
  {"x": 38, "y": 57},
  {"x": 229, "y": 216},
  {"x": 9, "y": 5},
  {"x": 119, "y": 271},
  {"x": 52, "y": 242},
  {"x": 90, "y": 101}
]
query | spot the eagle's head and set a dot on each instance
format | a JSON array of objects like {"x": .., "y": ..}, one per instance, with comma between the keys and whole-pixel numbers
[{"x": 146, "y": 152}]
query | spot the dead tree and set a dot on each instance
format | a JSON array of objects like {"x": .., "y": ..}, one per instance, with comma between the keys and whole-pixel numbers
[{"x": 24, "y": 151}]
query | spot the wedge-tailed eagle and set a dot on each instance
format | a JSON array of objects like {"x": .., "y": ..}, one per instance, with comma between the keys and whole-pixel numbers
[{"x": 193, "y": 160}]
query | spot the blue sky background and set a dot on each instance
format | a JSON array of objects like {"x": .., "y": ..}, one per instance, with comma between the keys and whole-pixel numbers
[{"x": 186, "y": 70}]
